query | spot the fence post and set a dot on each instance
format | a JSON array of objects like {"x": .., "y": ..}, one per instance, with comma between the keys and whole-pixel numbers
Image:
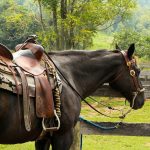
[{"x": 77, "y": 135}]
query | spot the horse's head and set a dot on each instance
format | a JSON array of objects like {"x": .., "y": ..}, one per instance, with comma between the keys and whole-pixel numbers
[{"x": 126, "y": 79}]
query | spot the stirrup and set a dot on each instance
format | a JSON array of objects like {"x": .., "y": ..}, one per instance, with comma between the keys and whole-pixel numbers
[{"x": 48, "y": 129}]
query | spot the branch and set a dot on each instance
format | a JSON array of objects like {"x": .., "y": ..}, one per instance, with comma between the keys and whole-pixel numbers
[
  {"x": 41, "y": 15},
  {"x": 113, "y": 23}
]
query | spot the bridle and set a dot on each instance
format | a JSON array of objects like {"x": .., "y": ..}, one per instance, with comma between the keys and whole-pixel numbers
[{"x": 130, "y": 64}]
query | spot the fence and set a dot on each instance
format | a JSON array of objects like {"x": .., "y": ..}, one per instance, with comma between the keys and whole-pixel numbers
[{"x": 126, "y": 129}]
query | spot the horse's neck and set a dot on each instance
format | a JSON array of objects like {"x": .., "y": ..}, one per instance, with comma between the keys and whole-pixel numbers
[{"x": 85, "y": 71}]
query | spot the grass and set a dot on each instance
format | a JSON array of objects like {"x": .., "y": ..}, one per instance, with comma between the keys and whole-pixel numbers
[
  {"x": 141, "y": 115},
  {"x": 99, "y": 142},
  {"x": 115, "y": 143},
  {"x": 102, "y": 41},
  {"x": 26, "y": 146}
]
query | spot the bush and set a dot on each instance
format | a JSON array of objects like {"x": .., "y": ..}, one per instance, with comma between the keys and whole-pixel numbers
[{"x": 127, "y": 36}]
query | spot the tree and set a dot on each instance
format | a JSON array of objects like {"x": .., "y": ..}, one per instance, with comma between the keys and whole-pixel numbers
[
  {"x": 136, "y": 30},
  {"x": 16, "y": 23},
  {"x": 72, "y": 23}
]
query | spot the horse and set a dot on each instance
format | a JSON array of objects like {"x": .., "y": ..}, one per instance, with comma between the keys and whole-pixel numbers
[{"x": 82, "y": 72}]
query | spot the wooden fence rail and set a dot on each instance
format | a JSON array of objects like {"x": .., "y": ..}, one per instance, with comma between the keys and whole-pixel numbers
[{"x": 126, "y": 129}]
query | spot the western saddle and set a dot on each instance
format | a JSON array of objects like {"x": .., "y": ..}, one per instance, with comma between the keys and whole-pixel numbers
[{"x": 30, "y": 60}]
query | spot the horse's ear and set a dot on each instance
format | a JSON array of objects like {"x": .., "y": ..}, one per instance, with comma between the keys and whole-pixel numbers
[
  {"x": 131, "y": 50},
  {"x": 117, "y": 47}
]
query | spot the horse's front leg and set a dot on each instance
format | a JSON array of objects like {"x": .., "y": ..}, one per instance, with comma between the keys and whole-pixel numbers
[
  {"x": 62, "y": 141},
  {"x": 43, "y": 144}
]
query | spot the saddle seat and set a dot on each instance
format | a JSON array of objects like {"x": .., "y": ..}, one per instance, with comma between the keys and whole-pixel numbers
[
  {"x": 28, "y": 57},
  {"x": 28, "y": 62},
  {"x": 36, "y": 49}
]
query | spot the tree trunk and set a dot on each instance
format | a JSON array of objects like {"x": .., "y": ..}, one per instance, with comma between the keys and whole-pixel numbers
[
  {"x": 41, "y": 15},
  {"x": 71, "y": 32},
  {"x": 63, "y": 12},
  {"x": 54, "y": 9}
]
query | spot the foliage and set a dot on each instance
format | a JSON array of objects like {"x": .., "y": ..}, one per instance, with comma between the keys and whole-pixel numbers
[
  {"x": 60, "y": 24},
  {"x": 75, "y": 22},
  {"x": 127, "y": 36},
  {"x": 16, "y": 23},
  {"x": 136, "y": 30}
]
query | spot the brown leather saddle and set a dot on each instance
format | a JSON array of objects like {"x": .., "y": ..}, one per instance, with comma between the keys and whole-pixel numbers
[{"x": 26, "y": 61}]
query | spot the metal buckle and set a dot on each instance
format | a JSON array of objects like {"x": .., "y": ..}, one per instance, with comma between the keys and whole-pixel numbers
[
  {"x": 132, "y": 73},
  {"x": 128, "y": 63}
]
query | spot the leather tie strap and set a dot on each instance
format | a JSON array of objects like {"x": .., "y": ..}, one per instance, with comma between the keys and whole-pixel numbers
[
  {"x": 44, "y": 97},
  {"x": 26, "y": 99},
  {"x": 132, "y": 72}
]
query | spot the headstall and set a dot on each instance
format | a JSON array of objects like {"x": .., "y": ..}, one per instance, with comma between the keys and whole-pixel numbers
[{"x": 130, "y": 63}]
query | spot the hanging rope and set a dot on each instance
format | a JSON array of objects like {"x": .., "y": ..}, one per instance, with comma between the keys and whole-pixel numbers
[{"x": 99, "y": 126}]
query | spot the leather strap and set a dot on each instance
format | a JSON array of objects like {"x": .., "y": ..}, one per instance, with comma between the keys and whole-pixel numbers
[
  {"x": 129, "y": 64},
  {"x": 44, "y": 97},
  {"x": 26, "y": 99}
]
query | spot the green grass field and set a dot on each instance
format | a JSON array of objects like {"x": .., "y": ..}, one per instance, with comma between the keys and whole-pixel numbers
[
  {"x": 91, "y": 142},
  {"x": 115, "y": 143},
  {"x": 26, "y": 146},
  {"x": 102, "y": 41}
]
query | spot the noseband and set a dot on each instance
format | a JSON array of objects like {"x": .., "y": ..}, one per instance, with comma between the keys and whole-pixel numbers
[{"x": 130, "y": 63}]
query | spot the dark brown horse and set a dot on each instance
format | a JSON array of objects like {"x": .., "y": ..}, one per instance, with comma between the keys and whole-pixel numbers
[{"x": 86, "y": 71}]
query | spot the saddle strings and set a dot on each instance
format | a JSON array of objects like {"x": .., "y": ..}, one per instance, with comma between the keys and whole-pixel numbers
[{"x": 51, "y": 68}]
